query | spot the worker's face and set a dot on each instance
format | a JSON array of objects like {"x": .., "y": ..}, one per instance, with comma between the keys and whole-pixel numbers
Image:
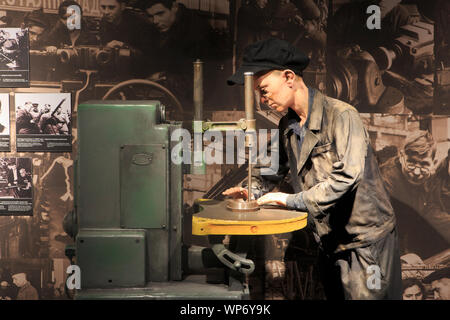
[
  {"x": 413, "y": 293},
  {"x": 441, "y": 289},
  {"x": 34, "y": 33},
  {"x": 22, "y": 172},
  {"x": 417, "y": 169},
  {"x": 275, "y": 89},
  {"x": 111, "y": 10},
  {"x": 163, "y": 18},
  {"x": 19, "y": 280}
]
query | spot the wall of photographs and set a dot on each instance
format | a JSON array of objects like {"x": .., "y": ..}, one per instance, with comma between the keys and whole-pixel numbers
[{"x": 398, "y": 77}]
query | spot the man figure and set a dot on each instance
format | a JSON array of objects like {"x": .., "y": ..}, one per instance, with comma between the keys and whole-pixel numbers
[
  {"x": 124, "y": 28},
  {"x": 440, "y": 283},
  {"x": 410, "y": 179},
  {"x": 24, "y": 184},
  {"x": 61, "y": 121},
  {"x": 37, "y": 25},
  {"x": 12, "y": 172},
  {"x": 333, "y": 170},
  {"x": 184, "y": 36},
  {"x": 26, "y": 290},
  {"x": 35, "y": 112},
  {"x": 413, "y": 289},
  {"x": 24, "y": 120},
  {"x": 61, "y": 35},
  {"x": 5, "y": 291},
  {"x": 121, "y": 27},
  {"x": 45, "y": 124}
]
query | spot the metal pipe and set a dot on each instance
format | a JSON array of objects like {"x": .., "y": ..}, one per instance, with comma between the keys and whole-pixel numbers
[
  {"x": 198, "y": 90},
  {"x": 249, "y": 97},
  {"x": 199, "y": 165},
  {"x": 250, "y": 119}
]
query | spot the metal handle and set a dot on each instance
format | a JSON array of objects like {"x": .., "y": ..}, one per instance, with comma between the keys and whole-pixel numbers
[{"x": 232, "y": 260}]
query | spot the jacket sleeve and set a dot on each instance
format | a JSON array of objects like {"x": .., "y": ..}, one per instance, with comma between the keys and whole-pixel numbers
[
  {"x": 264, "y": 183},
  {"x": 351, "y": 142}
]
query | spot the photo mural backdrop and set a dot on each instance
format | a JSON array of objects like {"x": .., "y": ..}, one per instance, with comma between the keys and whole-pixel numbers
[{"x": 398, "y": 77}]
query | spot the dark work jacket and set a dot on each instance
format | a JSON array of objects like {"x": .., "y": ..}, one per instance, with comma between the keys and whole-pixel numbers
[
  {"x": 133, "y": 30},
  {"x": 337, "y": 174},
  {"x": 59, "y": 36},
  {"x": 137, "y": 35}
]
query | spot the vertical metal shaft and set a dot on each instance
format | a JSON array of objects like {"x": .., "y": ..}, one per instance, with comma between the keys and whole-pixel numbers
[
  {"x": 198, "y": 90},
  {"x": 249, "y": 96},
  {"x": 250, "y": 122},
  {"x": 199, "y": 165}
]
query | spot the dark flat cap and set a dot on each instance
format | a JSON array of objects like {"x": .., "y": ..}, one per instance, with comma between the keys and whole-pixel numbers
[
  {"x": 438, "y": 274},
  {"x": 36, "y": 18},
  {"x": 270, "y": 54}
]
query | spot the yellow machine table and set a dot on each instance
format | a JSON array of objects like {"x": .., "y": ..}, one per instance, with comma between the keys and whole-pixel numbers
[{"x": 228, "y": 218}]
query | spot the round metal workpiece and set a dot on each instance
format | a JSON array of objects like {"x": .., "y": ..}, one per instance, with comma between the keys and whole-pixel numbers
[{"x": 239, "y": 205}]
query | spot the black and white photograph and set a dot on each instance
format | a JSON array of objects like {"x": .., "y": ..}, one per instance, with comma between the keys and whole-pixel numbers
[
  {"x": 43, "y": 122},
  {"x": 384, "y": 68},
  {"x": 14, "y": 58},
  {"x": 16, "y": 186},
  {"x": 5, "y": 134}
]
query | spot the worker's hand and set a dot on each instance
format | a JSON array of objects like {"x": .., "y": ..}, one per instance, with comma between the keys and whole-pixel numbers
[
  {"x": 236, "y": 193},
  {"x": 278, "y": 198},
  {"x": 158, "y": 76},
  {"x": 115, "y": 44}
]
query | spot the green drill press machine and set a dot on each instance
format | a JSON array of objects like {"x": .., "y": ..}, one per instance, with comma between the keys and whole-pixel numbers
[{"x": 128, "y": 222}]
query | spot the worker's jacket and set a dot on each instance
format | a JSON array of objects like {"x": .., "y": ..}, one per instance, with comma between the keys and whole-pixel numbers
[{"x": 335, "y": 175}]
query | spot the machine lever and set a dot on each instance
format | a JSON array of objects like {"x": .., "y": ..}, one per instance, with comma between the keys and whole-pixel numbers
[{"x": 233, "y": 260}]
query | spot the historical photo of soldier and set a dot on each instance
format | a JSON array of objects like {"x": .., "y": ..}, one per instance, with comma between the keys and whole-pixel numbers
[
  {"x": 43, "y": 114},
  {"x": 16, "y": 178},
  {"x": 14, "y": 57},
  {"x": 40, "y": 115}
]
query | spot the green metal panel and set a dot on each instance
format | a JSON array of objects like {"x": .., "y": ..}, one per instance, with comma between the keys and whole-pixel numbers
[
  {"x": 158, "y": 255},
  {"x": 126, "y": 180},
  {"x": 176, "y": 218},
  {"x": 111, "y": 258},
  {"x": 144, "y": 186},
  {"x": 103, "y": 127}
]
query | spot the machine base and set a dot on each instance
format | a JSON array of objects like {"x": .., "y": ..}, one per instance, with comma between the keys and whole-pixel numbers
[{"x": 192, "y": 288}]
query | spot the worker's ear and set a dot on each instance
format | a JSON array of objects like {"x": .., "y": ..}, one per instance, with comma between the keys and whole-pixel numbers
[{"x": 289, "y": 75}]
